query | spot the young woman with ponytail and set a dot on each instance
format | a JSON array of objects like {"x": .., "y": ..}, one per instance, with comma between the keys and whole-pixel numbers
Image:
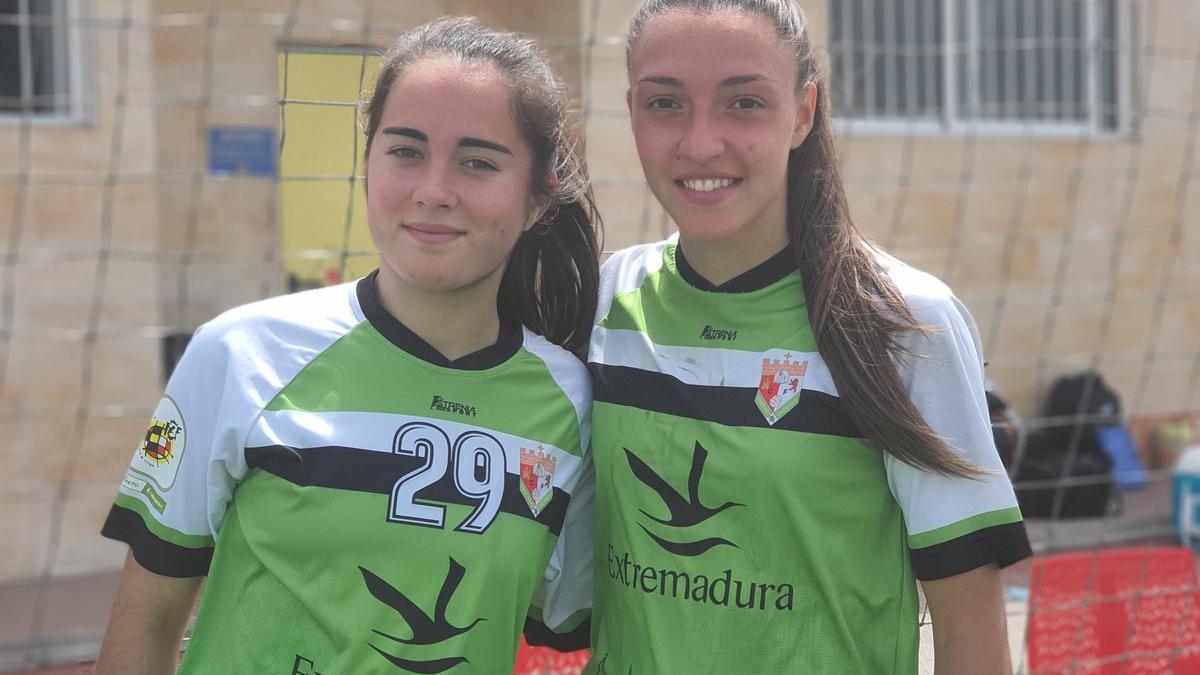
[
  {"x": 789, "y": 425},
  {"x": 389, "y": 475}
]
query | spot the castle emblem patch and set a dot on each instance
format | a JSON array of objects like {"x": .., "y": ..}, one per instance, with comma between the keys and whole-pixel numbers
[
  {"x": 779, "y": 387},
  {"x": 537, "y": 478}
]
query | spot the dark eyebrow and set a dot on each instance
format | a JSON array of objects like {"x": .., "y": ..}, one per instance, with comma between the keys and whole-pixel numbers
[
  {"x": 743, "y": 79},
  {"x": 405, "y": 131},
  {"x": 734, "y": 81},
  {"x": 480, "y": 143},
  {"x": 661, "y": 79},
  {"x": 466, "y": 142}
]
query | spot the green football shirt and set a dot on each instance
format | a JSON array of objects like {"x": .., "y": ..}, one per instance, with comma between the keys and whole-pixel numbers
[
  {"x": 743, "y": 524},
  {"x": 358, "y": 503}
]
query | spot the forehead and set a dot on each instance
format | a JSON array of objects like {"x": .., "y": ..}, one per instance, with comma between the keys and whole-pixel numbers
[
  {"x": 444, "y": 95},
  {"x": 709, "y": 47}
]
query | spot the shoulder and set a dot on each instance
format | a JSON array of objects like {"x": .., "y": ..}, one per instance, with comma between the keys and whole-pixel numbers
[
  {"x": 567, "y": 371},
  {"x": 305, "y": 322},
  {"x": 625, "y": 269},
  {"x": 571, "y": 377},
  {"x": 931, "y": 301}
]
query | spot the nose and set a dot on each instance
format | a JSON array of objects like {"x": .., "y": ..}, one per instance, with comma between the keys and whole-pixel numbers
[
  {"x": 435, "y": 189},
  {"x": 702, "y": 138}
]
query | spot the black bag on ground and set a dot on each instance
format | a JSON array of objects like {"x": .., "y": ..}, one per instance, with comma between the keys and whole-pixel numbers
[
  {"x": 1087, "y": 398},
  {"x": 1076, "y": 406},
  {"x": 1043, "y": 464}
]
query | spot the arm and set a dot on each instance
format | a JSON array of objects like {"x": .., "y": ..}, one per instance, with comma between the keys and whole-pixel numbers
[
  {"x": 147, "y": 622},
  {"x": 561, "y": 613},
  {"x": 969, "y": 624}
]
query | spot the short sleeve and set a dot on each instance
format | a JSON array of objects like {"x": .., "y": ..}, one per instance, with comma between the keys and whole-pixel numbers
[
  {"x": 954, "y": 524},
  {"x": 178, "y": 484},
  {"x": 564, "y": 598}
]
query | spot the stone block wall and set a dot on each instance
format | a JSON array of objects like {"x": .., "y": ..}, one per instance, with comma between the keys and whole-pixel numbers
[{"x": 1070, "y": 252}]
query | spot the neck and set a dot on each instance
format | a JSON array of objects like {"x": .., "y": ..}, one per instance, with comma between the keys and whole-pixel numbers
[
  {"x": 720, "y": 261},
  {"x": 455, "y": 323}
]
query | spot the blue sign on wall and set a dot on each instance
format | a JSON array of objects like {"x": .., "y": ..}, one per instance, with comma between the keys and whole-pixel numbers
[{"x": 243, "y": 150}]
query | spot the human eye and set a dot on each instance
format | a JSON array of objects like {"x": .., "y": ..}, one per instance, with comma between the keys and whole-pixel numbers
[
  {"x": 480, "y": 164},
  {"x": 405, "y": 152},
  {"x": 662, "y": 103},
  {"x": 746, "y": 103}
]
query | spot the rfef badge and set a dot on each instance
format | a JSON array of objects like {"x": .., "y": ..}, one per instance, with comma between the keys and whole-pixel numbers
[
  {"x": 779, "y": 387},
  {"x": 159, "y": 455},
  {"x": 537, "y": 478}
]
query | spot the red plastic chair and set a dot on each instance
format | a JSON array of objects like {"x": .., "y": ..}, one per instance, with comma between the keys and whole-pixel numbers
[
  {"x": 543, "y": 661},
  {"x": 1128, "y": 611}
]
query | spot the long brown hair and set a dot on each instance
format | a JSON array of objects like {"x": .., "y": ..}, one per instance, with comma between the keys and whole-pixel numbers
[
  {"x": 551, "y": 281},
  {"x": 857, "y": 314}
]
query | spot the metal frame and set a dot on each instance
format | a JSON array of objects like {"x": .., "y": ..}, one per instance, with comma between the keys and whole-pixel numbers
[
  {"x": 71, "y": 44},
  {"x": 961, "y": 60}
]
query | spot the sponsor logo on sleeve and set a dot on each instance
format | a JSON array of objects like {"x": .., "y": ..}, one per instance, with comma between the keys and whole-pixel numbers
[
  {"x": 779, "y": 386},
  {"x": 161, "y": 451}
]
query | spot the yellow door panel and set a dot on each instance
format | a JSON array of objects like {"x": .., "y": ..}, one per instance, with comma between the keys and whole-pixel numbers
[{"x": 322, "y": 211}]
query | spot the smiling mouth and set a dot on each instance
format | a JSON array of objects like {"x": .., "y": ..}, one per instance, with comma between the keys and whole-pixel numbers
[
  {"x": 708, "y": 184},
  {"x": 431, "y": 234}
]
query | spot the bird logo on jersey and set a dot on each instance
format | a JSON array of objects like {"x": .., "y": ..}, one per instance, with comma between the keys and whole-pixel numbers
[
  {"x": 537, "y": 478},
  {"x": 684, "y": 511},
  {"x": 779, "y": 387},
  {"x": 426, "y": 629}
]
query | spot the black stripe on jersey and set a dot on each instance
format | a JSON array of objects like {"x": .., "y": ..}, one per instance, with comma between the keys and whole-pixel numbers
[
  {"x": 154, "y": 554},
  {"x": 1000, "y": 544},
  {"x": 377, "y": 472},
  {"x": 815, "y": 413}
]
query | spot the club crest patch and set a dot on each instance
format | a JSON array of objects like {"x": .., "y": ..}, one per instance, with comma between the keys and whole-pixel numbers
[
  {"x": 162, "y": 447},
  {"x": 779, "y": 387},
  {"x": 537, "y": 478}
]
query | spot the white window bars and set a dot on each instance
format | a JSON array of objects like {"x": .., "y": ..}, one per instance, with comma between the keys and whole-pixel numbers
[
  {"x": 41, "y": 61},
  {"x": 1004, "y": 66}
]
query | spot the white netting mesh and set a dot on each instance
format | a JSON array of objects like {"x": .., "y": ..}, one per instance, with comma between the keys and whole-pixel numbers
[{"x": 1038, "y": 155}]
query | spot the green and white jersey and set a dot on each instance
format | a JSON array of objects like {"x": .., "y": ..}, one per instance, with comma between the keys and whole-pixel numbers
[
  {"x": 743, "y": 524},
  {"x": 359, "y": 503}
]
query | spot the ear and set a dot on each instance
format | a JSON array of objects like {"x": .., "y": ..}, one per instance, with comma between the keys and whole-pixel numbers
[
  {"x": 537, "y": 208},
  {"x": 535, "y": 214},
  {"x": 806, "y": 111}
]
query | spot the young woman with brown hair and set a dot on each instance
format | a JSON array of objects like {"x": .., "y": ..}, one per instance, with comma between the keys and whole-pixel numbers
[
  {"x": 387, "y": 475},
  {"x": 789, "y": 425}
]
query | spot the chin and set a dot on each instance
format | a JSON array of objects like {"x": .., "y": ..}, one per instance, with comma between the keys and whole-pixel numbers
[
  {"x": 435, "y": 283},
  {"x": 711, "y": 229}
]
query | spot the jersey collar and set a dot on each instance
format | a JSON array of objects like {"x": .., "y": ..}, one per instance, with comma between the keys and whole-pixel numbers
[
  {"x": 773, "y": 269},
  {"x": 506, "y": 345}
]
